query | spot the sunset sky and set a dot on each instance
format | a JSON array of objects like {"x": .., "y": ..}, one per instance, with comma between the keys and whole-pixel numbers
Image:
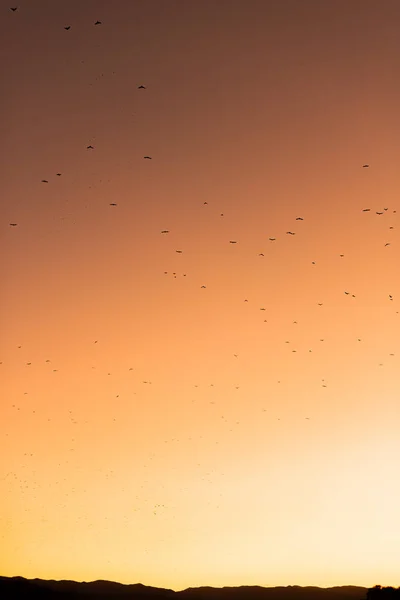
[{"x": 228, "y": 414}]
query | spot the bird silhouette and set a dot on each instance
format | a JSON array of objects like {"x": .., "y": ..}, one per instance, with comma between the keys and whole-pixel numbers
[
  {"x": 379, "y": 213},
  {"x": 232, "y": 242},
  {"x": 366, "y": 209},
  {"x": 148, "y": 157},
  {"x": 141, "y": 87},
  {"x": 44, "y": 181},
  {"x": 113, "y": 204},
  {"x": 98, "y": 23},
  {"x": 165, "y": 231},
  {"x": 14, "y": 8},
  {"x": 89, "y": 148},
  {"x": 178, "y": 251},
  {"x": 67, "y": 27},
  {"x": 299, "y": 219},
  {"x": 272, "y": 239},
  {"x": 365, "y": 166},
  {"x": 290, "y": 233},
  {"x": 13, "y": 224},
  {"x": 58, "y": 174}
]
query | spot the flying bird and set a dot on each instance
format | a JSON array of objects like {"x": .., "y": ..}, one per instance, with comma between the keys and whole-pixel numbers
[
  {"x": 299, "y": 219},
  {"x": 89, "y": 148},
  {"x": 98, "y": 23},
  {"x": 113, "y": 204},
  {"x": 13, "y": 224},
  {"x": 44, "y": 181},
  {"x": 178, "y": 251},
  {"x": 232, "y": 242},
  {"x": 141, "y": 87},
  {"x": 14, "y": 8},
  {"x": 290, "y": 233},
  {"x": 379, "y": 213},
  {"x": 148, "y": 157},
  {"x": 67, "y": 27},
  {"x": 366, "y": 209},
  {"x": 272, "y": 239},
  {"x": 165, "y": 231},
  {"x": 365, "y": 166},
  {"x": 387, "y": 244},
  {"x": 58, "y": 174},
  {"x": 203, "y": 287}
]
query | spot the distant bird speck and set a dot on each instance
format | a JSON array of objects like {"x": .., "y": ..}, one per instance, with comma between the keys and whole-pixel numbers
[
  {"x": 141, "y": 87},
  {"x": 13, "y": 224},
  {"x": 365, "y": 166},
  {"x": 113, "y": 204},
  {"x": 14, "y": 8},
  {"x": 148, "y": 157},
  {"x": 89, "y": 148},
  {"x": 165, "y": 231},
  {"x": 290, "y": 233},
  {"x": 178, "y": 251},
  {"x": 98, "y": 23},
  {"x": 68, "y": 27},
  {"x": 299, "y": 219},
  {"x": 44, "y": 181},
  {"x": 232, "y": 242}
]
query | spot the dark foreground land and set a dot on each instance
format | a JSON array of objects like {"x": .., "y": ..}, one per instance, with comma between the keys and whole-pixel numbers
[{"x": 18, "y": 587}]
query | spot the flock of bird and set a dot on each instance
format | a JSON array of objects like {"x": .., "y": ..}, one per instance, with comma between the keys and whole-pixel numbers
[{"x": 166, "y": 232}]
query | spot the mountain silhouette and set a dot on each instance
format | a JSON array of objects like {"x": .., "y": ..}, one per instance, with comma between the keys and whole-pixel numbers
[{"x": 18, "y": 587}]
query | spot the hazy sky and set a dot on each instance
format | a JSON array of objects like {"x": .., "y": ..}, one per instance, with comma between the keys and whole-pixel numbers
[{"x": 228, "y": 414}]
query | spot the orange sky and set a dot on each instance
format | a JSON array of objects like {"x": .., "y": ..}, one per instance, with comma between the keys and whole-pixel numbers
[{"x": 135, "y": 446}]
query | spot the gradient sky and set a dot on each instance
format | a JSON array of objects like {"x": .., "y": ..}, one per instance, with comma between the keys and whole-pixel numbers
[{"x": 154, "y": 430}]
